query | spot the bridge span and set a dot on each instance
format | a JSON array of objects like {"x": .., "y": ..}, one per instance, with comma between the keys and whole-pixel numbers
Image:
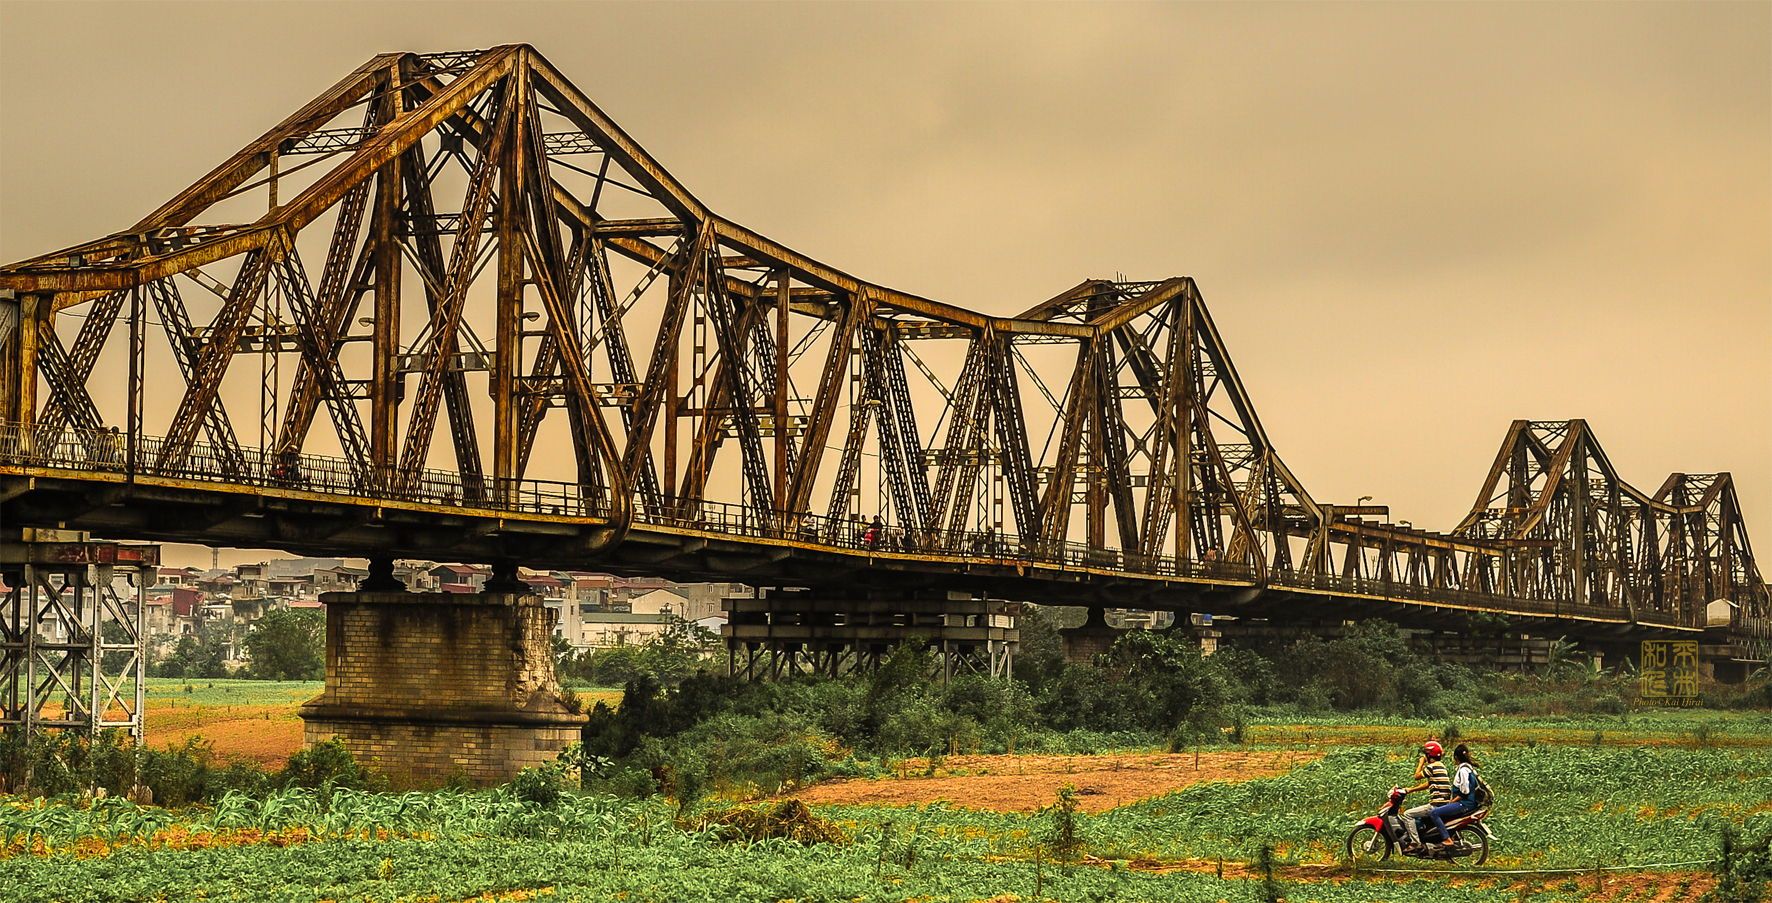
[{"x": 630, "y": 382}]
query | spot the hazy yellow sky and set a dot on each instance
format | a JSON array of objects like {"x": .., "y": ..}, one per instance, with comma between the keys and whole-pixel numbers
[{"x": 1413, "y": 223}]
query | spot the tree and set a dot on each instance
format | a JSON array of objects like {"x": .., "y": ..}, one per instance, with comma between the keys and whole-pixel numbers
[
  {"x": 288, "y": 644},
  {"x": 203, "y": 655},
  {"x": 1040, "y": 657}
]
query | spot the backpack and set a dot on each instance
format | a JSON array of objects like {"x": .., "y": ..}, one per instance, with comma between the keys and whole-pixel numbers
[{"x": 1481, "y": 795}]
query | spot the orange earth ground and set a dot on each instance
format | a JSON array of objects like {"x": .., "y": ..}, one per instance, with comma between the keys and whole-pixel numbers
[{"x": 1023, "y": 783}]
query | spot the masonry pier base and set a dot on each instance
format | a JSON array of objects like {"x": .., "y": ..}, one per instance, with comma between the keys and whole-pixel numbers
[
  {"x": 1089, "y": 639},
  {"x": 429, "y": 688}
]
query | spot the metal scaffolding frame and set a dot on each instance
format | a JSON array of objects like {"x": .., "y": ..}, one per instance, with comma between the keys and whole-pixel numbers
[{"x": 72, "y": 645}]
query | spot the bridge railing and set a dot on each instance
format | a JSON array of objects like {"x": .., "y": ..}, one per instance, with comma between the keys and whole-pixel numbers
[
  {"x": 107, "y": 451},
  {"x": 982, "y": 546}
]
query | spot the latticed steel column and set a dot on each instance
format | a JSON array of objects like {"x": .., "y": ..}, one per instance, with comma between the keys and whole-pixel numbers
[{"x": 72, "y": 648}]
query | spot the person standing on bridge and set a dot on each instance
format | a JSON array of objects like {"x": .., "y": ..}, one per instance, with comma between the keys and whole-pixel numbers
[{"x": 875, "y": 531}]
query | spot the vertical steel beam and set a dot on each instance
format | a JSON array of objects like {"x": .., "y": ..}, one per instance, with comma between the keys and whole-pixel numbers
[
  {"x": 509, "y": 312},
  {"x": 29, "y": 626},
  {"x": 858, "y": 310},
  {"x": 20, "y": 383},
  {"x": 384, "y": 385},
  {"x": 780, "y": 412},
  {"x": 137, "y": 365}
]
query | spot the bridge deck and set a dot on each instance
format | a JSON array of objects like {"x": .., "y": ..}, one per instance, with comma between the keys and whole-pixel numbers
[{"x": 312, "y": 507}]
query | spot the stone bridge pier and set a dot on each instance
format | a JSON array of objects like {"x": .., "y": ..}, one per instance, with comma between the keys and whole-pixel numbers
[{"x": 432, "y": 687}]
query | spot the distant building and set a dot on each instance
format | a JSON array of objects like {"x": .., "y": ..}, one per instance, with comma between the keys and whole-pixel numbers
[
  {"x": 460, "y": 578},
  {"x": 706, "y": 600},
  {"x": 546, "y": 586},
  {"x": 169, "y": 576},
  {"x": 658, "y": 602},
  {"x": 338, "y": 579},
  {"x": 605, "y": 629}
]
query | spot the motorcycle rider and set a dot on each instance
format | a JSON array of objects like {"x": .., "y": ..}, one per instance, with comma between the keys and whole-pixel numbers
[
  {"x": 1431, "y": 772},
  {"x": 1464, "y": 787}
]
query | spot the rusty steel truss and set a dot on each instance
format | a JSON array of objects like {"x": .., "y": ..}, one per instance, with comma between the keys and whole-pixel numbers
[{"x": 463, "y": 243}]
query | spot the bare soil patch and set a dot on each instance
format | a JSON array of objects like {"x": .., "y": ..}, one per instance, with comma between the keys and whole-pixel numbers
[
  {"x": 1018, "y": 783},
  {"x": 266, "y": 735}
]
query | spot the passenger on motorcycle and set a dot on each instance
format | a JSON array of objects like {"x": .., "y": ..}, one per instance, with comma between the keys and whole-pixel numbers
[
  {"x": 1431, "y": 772},
  {"x": 1464, "y": 802}
]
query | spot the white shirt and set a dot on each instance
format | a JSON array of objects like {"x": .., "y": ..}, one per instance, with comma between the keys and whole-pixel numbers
[{"x": 1465, "y": 780}]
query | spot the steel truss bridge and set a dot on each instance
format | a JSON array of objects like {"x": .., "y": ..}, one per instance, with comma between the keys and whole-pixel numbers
[{"x": 464, "y": 243}]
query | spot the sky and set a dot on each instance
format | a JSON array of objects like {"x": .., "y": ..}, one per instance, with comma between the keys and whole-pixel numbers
[{"x": 1413, "y": 224}]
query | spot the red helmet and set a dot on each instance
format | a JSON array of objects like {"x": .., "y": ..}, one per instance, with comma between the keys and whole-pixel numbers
[{"x": 1433, "y": 749}]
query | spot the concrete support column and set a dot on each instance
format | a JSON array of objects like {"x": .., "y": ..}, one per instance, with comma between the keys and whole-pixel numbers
[
  {"x": 429, "y": 687},
  {"x": 381, "y": 577}
]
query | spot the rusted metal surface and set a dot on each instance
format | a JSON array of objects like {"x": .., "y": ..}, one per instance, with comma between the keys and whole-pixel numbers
[{"x": 732, "y": 401}]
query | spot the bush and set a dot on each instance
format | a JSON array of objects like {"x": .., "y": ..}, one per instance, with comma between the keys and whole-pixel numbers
[
  {"x": 1148, "y": 681},
  {"x": 328, "y": 766},
  {"x": 178, "y": 776},
  {"x": 1744, "y": 871},
  {"x": 540, "y": 785},
  {"x": 1364, "y": 668},
  {"x": 1001, "y": 712},
  {"x": 195, "y": 656},
  {"x": 786, "y": 820}
]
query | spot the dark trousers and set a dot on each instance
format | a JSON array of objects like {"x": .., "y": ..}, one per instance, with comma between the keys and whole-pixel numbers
[{"x": 1437, "y": 818}]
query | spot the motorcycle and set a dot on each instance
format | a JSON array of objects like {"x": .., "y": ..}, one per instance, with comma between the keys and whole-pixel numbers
[{"x": 1375, "y": 839}]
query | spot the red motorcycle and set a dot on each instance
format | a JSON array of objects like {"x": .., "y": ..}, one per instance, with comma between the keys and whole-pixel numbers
[{"x": 1376, "y": 838}]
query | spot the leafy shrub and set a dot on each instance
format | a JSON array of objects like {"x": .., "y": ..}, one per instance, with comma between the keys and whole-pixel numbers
[
  {"x": 1062, "y": 830},
  {"x": 204, "y": 655},
  {"x": 540, "y": 785},
  {"x": 328, "y": 766},
  {"x": 1369, "y": 666},
  {"x": 1744, "y": 871},
  {"x": 786, "y": 820},
  {"x": 178, "y": 776}
]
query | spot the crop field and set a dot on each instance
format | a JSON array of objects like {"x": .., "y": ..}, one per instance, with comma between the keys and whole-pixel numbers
[{"x": 1653, "y": 789}]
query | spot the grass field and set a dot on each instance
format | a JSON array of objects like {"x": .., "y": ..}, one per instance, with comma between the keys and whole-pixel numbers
[{"x": 1651, "y": 788}]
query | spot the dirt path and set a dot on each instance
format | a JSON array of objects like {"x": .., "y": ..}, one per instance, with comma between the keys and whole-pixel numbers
[
  {"x": 1018, "y": 783},
  {"x": 1609, "y": 887}
]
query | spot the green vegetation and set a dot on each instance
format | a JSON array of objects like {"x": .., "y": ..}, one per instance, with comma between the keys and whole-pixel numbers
[
  {"x": 682, "y": 650},
  {"x": 55, "y": 764},
  {"x": 229, "y": 691},
  {"x": 1558, "y": 807},
  {"x": 288, "y": 644},
  {"x": 200, "y": 656},
  {"x": 660, "y": 803},
  {"x": 316, "y": 830},
  {"x": 656, "y": 865},
  {"x": 300, "y": 844},
  {"x": 695, "y": 733}
]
